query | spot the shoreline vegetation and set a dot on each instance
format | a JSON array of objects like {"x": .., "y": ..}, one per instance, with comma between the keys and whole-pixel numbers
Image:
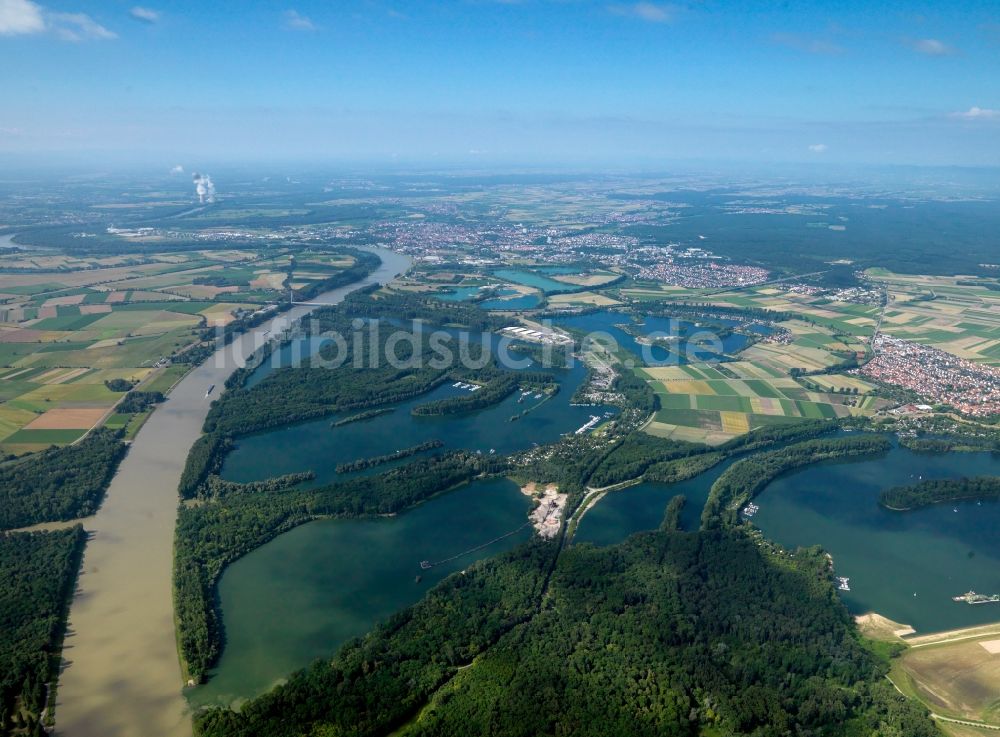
[
  {"x": 742, "y": 481},
  {"x": 218, "y": 530},
  {"x": 60, "y": 484},
  {"x": 427, "y": 680},
  {"x": 362, "y": 416},
  {"x": 473, "y": 655},
  {"x": 225, "y": 521},
  {"x": 939, "y": 491},
  {"x": 38, "y": 573},
  {"x": 364, "y": 463}
]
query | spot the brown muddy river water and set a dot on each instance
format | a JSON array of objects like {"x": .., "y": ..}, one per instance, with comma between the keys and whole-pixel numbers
[{"x": 121, "y": 676}]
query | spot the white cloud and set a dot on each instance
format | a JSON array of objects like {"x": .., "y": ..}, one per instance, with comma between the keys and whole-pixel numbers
[
  {"x": 977, "y": 113},
  {"x": 806, "y": 43},
  {"x": 931, "y": 47},
  {"x": 177, "y": 169},
  {"x": 818, "y": 148},
  {"x": 147, "y": 15},
  {"x": 651, "y": 12},
  {"x": 295, "y": 21},
  {"x": 77, "y": 27},
  {"x": 19, "y": 17}
]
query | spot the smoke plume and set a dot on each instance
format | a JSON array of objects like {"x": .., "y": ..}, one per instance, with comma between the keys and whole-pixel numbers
[{"x": 203, "y": 187}]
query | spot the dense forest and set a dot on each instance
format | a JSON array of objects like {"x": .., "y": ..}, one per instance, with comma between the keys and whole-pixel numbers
[
  {"x": 495, "y": 386},
  {"x": 950, "y": 444},
  {"x": 406, "y": 306},
  {"x": 224, "y": 527},
  {"x": 205, "y": 457},
  {"x": 746, "y": 478},
  {"x": 37, "y": 574},
  {"x": 671, "y": 472},
  {"x": 669, "y": 633},
  {"x": 59, "y": 483},
  {"x": 937, "y": 491},
  {"x": 672, "y": 514},
  {"x": 635, "y": 454},
  {"x": 376, "y": 366},
  {"x": 296, "y": 395}
]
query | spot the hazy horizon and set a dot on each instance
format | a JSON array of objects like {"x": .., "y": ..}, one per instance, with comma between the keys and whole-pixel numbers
[{"x": 501, "y": 82}]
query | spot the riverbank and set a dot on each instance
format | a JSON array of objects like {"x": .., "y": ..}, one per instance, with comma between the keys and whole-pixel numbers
[{"x": 121, "y": 674}]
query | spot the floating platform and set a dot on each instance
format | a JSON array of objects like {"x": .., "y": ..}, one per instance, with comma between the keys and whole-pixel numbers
[{"x": 971, "y": 597}]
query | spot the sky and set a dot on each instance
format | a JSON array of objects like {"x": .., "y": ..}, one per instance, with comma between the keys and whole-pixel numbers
[{"x": 502, "y": 81}]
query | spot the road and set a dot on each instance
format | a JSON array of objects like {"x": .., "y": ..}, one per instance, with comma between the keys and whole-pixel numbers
[{"x": 121, "y": 676}]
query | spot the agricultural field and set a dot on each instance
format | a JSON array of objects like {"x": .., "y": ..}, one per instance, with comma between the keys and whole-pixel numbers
[
  {"x": 955, "y": 678},
  {"x": 837, "y": 316},
  {"x": 716, "y": 402},
  {"x": 959, "y": 315},
  {"x": 592, "y": 279},
  {"x": 71, "y": 325},
  {"x": 582, "y": 299}
]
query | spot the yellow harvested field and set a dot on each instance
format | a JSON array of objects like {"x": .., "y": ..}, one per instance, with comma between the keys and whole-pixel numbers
[
  {"x": 585, "y": 280},
  {"x": 108, "y": 343},
  {"x": 735, "y": 423},
  {"x": 68, "y": 419},
  {"x": 766, "y": 406},
  {"x": 130, "y": 374},
  {"x": 747, "y": 370},
  {"x": 790, "y": 356},
  {"x": 901, "y": 319},
  {"x": 13, "y": 419},
  {"x": 221, "y": 314},
  {"x": 688, "y": 434},
  {"x": 836, "y": 382},
  {"x": 95, "y": 309},
  {"x": 59, "y": 376},
  {"x": 690, "y": 386},
  {"x": 668, "y": 373},
  {"x": 584, "y": 298},
  {"x": 268, "y": 280}
]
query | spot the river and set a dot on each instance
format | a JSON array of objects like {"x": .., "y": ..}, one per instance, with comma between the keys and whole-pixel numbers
[{"x": 121, "y": 675}]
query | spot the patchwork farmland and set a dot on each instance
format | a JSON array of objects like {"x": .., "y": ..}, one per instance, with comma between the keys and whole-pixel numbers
[
  {"x": 77, "y": 333},
  {"x": 713, "y": 403}
]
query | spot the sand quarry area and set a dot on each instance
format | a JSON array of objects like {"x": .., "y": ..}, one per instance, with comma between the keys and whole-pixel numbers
[{"x": 547, "y": 516}]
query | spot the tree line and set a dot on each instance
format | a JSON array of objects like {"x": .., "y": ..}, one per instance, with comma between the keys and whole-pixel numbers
[
  {"x": 748, "y": 477},
  {"x": 668, "y": 633},
  {"x": 938, "y": 491},
  {"x": 37, "y": 575},
  {"x": 364, "y": 463},
  {"x": 59, "y": 484},
  {"x": 225, "y": 527}
]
